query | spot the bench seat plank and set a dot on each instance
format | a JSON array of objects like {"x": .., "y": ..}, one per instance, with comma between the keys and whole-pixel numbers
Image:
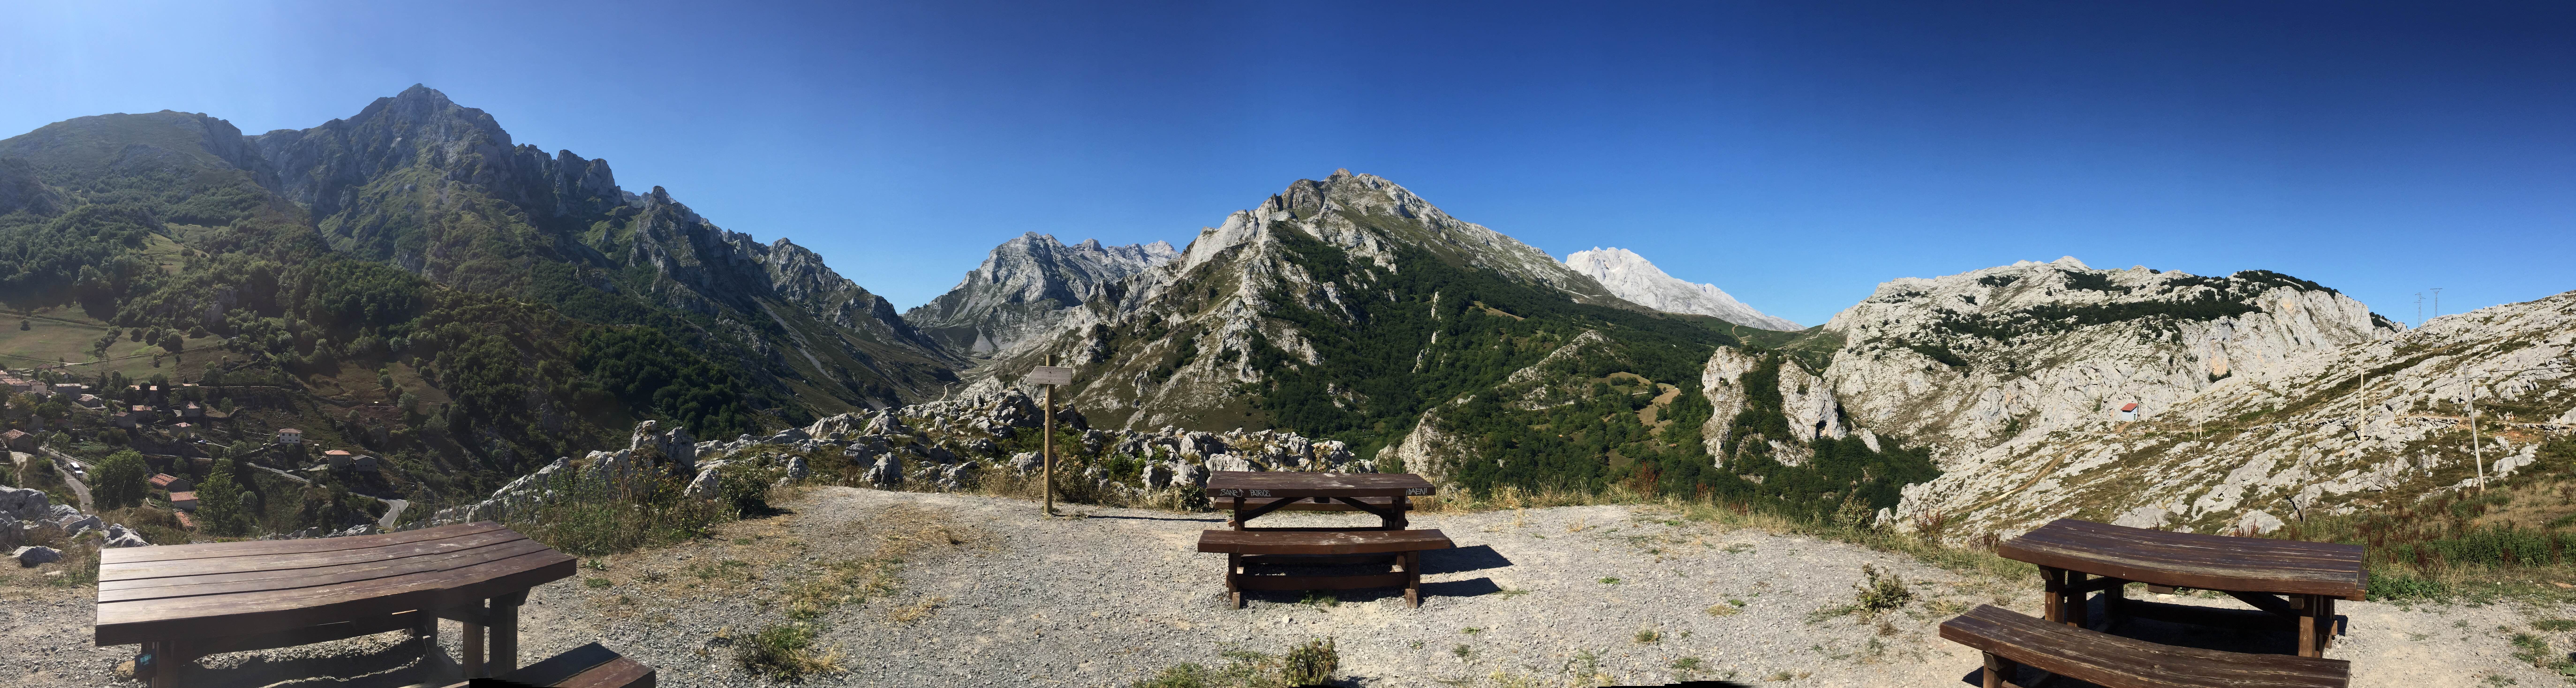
[
  {"x": 262, "y": 548},
  {"x": 1309, "y": 503},
  {"x": 1321, "y": 542},
  {"x": 2115, "y": 662}
]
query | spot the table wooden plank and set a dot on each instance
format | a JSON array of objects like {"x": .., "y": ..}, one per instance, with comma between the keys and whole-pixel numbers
[
  {"x": 121, "y": 623},
  {"x": 254, "y": 548},
  {"x": 1298, "y": 484},
  {"x": 130, "y": 573},
  {"x": 350, "y": 573},
  {"x": 2193, "y": 560}
]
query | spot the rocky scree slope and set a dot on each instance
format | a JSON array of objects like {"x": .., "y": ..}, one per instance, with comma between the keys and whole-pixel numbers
[
  {"x": 1632, "y": 277},
  {"x": 1024, "y": 286},
  {"x": 1340, "y": 308},
  {"x": 2294, "y": 436},
  {"x": 949, "y": 445}
]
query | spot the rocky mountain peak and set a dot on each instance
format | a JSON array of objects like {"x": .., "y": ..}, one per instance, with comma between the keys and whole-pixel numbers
[
  {"x": 1023, "y": 286},
  {"x": 1632, "y": 277}
]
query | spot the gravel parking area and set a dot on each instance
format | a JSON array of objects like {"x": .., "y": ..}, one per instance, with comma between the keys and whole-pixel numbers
[{"x": 942, "y": 589}]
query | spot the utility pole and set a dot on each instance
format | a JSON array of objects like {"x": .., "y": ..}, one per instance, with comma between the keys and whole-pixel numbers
[
  {"x": 1051, "y": 376},
  {"x": 2437, "y": 302},
  {"x": 2419, "y": 310}
]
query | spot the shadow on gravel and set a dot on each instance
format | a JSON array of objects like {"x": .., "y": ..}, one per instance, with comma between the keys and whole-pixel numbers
[
  {"x": 1219, "y": 519},
  {"x": 393, "y": 666},
  {"x": 1466, "y": 588},
  {"x": 1477, "y": 558}
]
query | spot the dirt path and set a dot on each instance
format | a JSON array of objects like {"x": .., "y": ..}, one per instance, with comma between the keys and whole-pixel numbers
[{"x": 987, "y": 593}]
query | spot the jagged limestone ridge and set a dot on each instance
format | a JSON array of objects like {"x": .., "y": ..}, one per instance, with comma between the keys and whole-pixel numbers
[
  {"x": 1024, "y": 286},
  {"x": 2299, "y": 436},
  {"x": 1213, "y": 297}
]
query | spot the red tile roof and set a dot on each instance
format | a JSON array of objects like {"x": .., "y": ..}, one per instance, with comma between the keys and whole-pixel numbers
[
  {"x": 177, "y": 497},
  {"x": 2133, "y": 406}
]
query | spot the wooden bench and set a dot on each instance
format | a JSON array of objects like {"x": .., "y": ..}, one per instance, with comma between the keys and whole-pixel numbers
[
  {"x": 588, "y": 666},
  {"x": 1247, "y": 549},
  {"x": 2010, "y": 639}
]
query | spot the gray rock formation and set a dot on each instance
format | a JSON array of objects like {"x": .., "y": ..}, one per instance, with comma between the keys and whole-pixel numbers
[
  {"x": 120, "y": 536},
  {"x": 1025, "y": 286},
  {"x": 31, "y": 556},
  {"x": 1631, "y": 277},
  {"x": 2289, "y": 431}
]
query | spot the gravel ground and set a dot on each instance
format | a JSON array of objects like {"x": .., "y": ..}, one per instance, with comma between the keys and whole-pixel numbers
[{"x": 988, "y": 593}]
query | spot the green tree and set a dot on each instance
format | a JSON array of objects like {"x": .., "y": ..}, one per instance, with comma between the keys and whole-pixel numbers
[
  {"x": 219, "y": 502},
  {"x": 122, "y": 480}
]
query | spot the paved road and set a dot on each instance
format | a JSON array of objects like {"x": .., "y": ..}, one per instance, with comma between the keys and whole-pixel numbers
[
  {"x": 62, "y": 466},
  {"x": 393, "y": 512}
]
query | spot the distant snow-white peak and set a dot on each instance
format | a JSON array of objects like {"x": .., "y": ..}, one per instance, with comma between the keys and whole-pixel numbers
[{"x": 1631, "y": 277}]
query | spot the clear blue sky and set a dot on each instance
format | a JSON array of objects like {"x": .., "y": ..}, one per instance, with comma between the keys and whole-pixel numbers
[{"x": 1795, "y": 154}]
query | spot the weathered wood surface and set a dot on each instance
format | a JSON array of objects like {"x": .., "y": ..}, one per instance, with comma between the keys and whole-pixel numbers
[
  {"x": 588, "y": 666},
  {"x": 2115, "y": 662},
  {"x": 235, "y": 589},
  {"x": 1296, "y": 484},
  {"x": 1321, "y": 542},
  {"x": 2188, "y": 560},
  {"x": 1310, "y": 503}
]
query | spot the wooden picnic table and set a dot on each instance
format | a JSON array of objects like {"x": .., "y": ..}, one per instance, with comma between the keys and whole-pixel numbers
[
  {"x": 1251, "y": 494},
  {"x": 182, "y": 602},
  {"x": 2296, "y": 581}
]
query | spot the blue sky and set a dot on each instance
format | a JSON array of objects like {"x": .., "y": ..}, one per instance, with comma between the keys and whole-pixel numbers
[{"x": 1795, "y": 154}]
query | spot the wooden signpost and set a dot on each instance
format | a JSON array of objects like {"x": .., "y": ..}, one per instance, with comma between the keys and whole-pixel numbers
[{"x": 1050, "y": 375}]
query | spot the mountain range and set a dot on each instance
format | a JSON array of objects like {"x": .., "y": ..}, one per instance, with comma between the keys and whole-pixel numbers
[{"x": 517, "y": 305}]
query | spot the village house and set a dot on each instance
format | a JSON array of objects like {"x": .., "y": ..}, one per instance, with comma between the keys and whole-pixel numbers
[
  {"x": 90, "y": 401},
  {"x": 290, "y": 436},
  {"x": 172, "y": 483},
  {"x": 18, "y": 440},
  {"x": 2129, "y": 412},
  {"x": 339, "y": 458},
  {"x": 183, "y": 501},
  {"x": 192, "y": 410}
]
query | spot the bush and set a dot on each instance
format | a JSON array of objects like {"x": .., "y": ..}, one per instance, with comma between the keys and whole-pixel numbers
[
  {"x": 120, "y": 481},
  {"x": 1879, "y": 593},
  {"x": 785, "y": 652},
  {"x": 1310, "y": 664},
  {"x": 744, "y": 491},
  {"x": 591, "y": 518}
]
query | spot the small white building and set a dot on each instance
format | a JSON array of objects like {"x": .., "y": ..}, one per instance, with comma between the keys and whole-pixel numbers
[
  {"x": 2129, "y": 412},
  {"x": 290, "y": 436}
]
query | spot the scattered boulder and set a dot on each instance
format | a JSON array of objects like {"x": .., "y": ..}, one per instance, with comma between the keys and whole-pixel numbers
[
  {"x": 796, "y": 469},
  {"x": 888, "y": 471},
  {"x": 78, "y": 523},
  {"x": 31, "y": 556},
  {"x": 25, "y": 503},
  {"x": 704, "y": 486},
  {"x": 2150, "y": 517},
  {"x": 2258, "y": 522},
  {"x": 120, "y": 536},
  {"x": 12, "y": 533},
  {"x": 1156, "y": 476},
  {"x": 1024, "y": 463}
]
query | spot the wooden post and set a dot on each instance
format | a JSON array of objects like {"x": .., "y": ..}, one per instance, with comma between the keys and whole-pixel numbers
[
  {"x": 1046, "y": 451},
  {"x": 1413, "y": 579},
  {"x": 2075, "y": 603},
  {"x": 471, "y": 647},
  {"x": 2308, "y": 645},
  {"x": 2113, "y": 598},
  {"x": 1999, "y": 671},
  {"x": 505, "y": 632},
  {"x": 2052, "y": 597}
]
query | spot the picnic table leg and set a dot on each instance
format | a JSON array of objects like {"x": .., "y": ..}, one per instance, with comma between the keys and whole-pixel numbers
[
  {"x": 2312, "y": 626},
  {"x": 2077, "y": 612},
  {"x": 471, "y": 646},
  {"x": 1233, "y": 595},
  {"x": 426, "y": 633},
  {"x": 167, "y": 663},
  {"x": 1999, "y": 671},
  {"x": 2052, "y": 605},
  {"x": 2113, "y": 598},
  {"x": 1413, "y": 579},
  {"x": 505, "y": 632}
]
